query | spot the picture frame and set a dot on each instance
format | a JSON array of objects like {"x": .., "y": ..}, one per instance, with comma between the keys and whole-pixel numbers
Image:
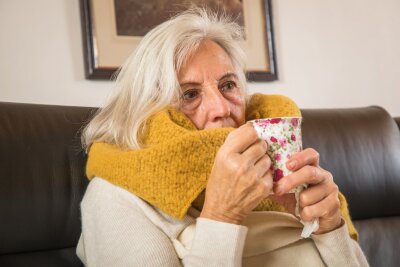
[{"x": 105, "y": 50}]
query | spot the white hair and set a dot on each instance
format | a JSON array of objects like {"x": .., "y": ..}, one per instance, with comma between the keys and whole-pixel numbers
[{"x": 147, "y": 82}]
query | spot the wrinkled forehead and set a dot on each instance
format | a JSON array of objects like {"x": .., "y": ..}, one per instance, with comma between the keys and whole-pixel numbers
[{"x": 208, "y": 59}]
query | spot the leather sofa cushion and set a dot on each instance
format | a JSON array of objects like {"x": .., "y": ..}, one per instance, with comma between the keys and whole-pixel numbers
[
  {"x": 379, "y": 239},
  {"x": 57, "y": 258}
]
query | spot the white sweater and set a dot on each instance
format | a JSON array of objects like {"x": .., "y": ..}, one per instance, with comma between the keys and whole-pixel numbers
[{"x": 120, "y": 229}]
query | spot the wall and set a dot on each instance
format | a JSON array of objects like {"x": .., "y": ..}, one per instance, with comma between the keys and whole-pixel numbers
[
  {"x": 330, "y": 54},
  {"x": 41, "y": 54},
  {"x": 338, "y": 53}
]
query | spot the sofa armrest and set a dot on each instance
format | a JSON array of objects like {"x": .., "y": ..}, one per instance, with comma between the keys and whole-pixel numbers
[{"x": 397, "y": 119}]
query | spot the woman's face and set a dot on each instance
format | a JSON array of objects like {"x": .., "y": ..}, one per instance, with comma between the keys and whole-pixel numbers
[{"x": 209, "y": 84}]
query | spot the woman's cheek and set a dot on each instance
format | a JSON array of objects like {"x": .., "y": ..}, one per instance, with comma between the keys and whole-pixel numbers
[
  {"x": 238, "y": 113},
  {"x": 238, "y": 109}
]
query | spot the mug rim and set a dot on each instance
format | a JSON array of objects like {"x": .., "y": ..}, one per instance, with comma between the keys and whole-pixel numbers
[{"x": 292, "y": 117}]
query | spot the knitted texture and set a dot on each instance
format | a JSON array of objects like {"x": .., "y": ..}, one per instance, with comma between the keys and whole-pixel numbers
[{"x": 171, "y": 171}]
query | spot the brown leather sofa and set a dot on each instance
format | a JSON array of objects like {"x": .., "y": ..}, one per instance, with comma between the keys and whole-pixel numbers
[
  {"x": 42, "y": 178},
  {"x": 397, "y": 121}
]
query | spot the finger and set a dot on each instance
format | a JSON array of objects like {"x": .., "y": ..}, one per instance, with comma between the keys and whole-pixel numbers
[
  {"x": 263, "y": 165},
  {"x": 240, "y": 139},
  {"x": 306, "y": 175},
  {"x": 323, "y": 209},
  {"x": 256, "y": 151},
  {"x": 308, "y": 156},
  {"x": 313, "y": 194},
  {"x": 268, "y": 183}
]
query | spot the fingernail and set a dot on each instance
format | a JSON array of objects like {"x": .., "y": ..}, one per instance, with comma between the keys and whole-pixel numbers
[{"x": 291, "y": 164}]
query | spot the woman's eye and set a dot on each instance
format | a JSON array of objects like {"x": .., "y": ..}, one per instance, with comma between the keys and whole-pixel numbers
[
  {"x": 190, "y": 94},
  {"x": 228, "y": 86}
]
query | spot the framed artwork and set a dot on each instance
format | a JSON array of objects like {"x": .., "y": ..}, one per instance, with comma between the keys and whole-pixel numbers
[{"x": 113, "y": 28}]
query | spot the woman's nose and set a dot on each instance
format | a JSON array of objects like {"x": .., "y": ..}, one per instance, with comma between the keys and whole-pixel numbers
[{"x": 216, "y": 105}]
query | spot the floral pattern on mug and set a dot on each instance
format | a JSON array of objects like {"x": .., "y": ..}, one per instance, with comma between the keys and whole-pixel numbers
[{"x": 283, "y": 136}]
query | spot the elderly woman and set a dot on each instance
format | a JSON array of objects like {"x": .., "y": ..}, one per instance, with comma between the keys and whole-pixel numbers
[{"x": 179, "y": 178}]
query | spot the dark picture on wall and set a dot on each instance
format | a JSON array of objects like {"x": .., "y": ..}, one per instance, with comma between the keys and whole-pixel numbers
[
  {"x": 113, "y": 28},
  {"x": 138, "y": 17}
]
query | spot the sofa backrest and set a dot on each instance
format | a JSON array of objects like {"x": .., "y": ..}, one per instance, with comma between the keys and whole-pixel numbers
[
  {"x": 361, "y": 148},
  {"x": 42, "y": 177}
]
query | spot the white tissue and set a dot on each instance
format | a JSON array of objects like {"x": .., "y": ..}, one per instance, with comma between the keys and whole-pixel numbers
[{"x": 309, "y": 227}]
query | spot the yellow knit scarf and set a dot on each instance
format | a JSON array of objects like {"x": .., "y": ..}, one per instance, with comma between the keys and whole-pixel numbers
[{"x": 171, "y": 171}]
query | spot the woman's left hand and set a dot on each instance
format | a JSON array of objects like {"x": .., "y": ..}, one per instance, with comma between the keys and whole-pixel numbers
[{"x": 320, "y": 200}]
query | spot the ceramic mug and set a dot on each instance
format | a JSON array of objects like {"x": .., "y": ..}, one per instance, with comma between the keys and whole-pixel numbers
[{"x": 283, "y": 135}]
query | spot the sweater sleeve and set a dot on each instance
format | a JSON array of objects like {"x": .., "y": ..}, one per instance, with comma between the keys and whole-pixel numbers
[
  {"x": 337, "y": 248},
  {"x": 116, "y": 232},
  {"x": 216, "y": 244}
]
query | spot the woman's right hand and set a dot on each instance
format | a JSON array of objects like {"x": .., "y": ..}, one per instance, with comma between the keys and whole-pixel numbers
[{"x": 240, "y": 178}]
